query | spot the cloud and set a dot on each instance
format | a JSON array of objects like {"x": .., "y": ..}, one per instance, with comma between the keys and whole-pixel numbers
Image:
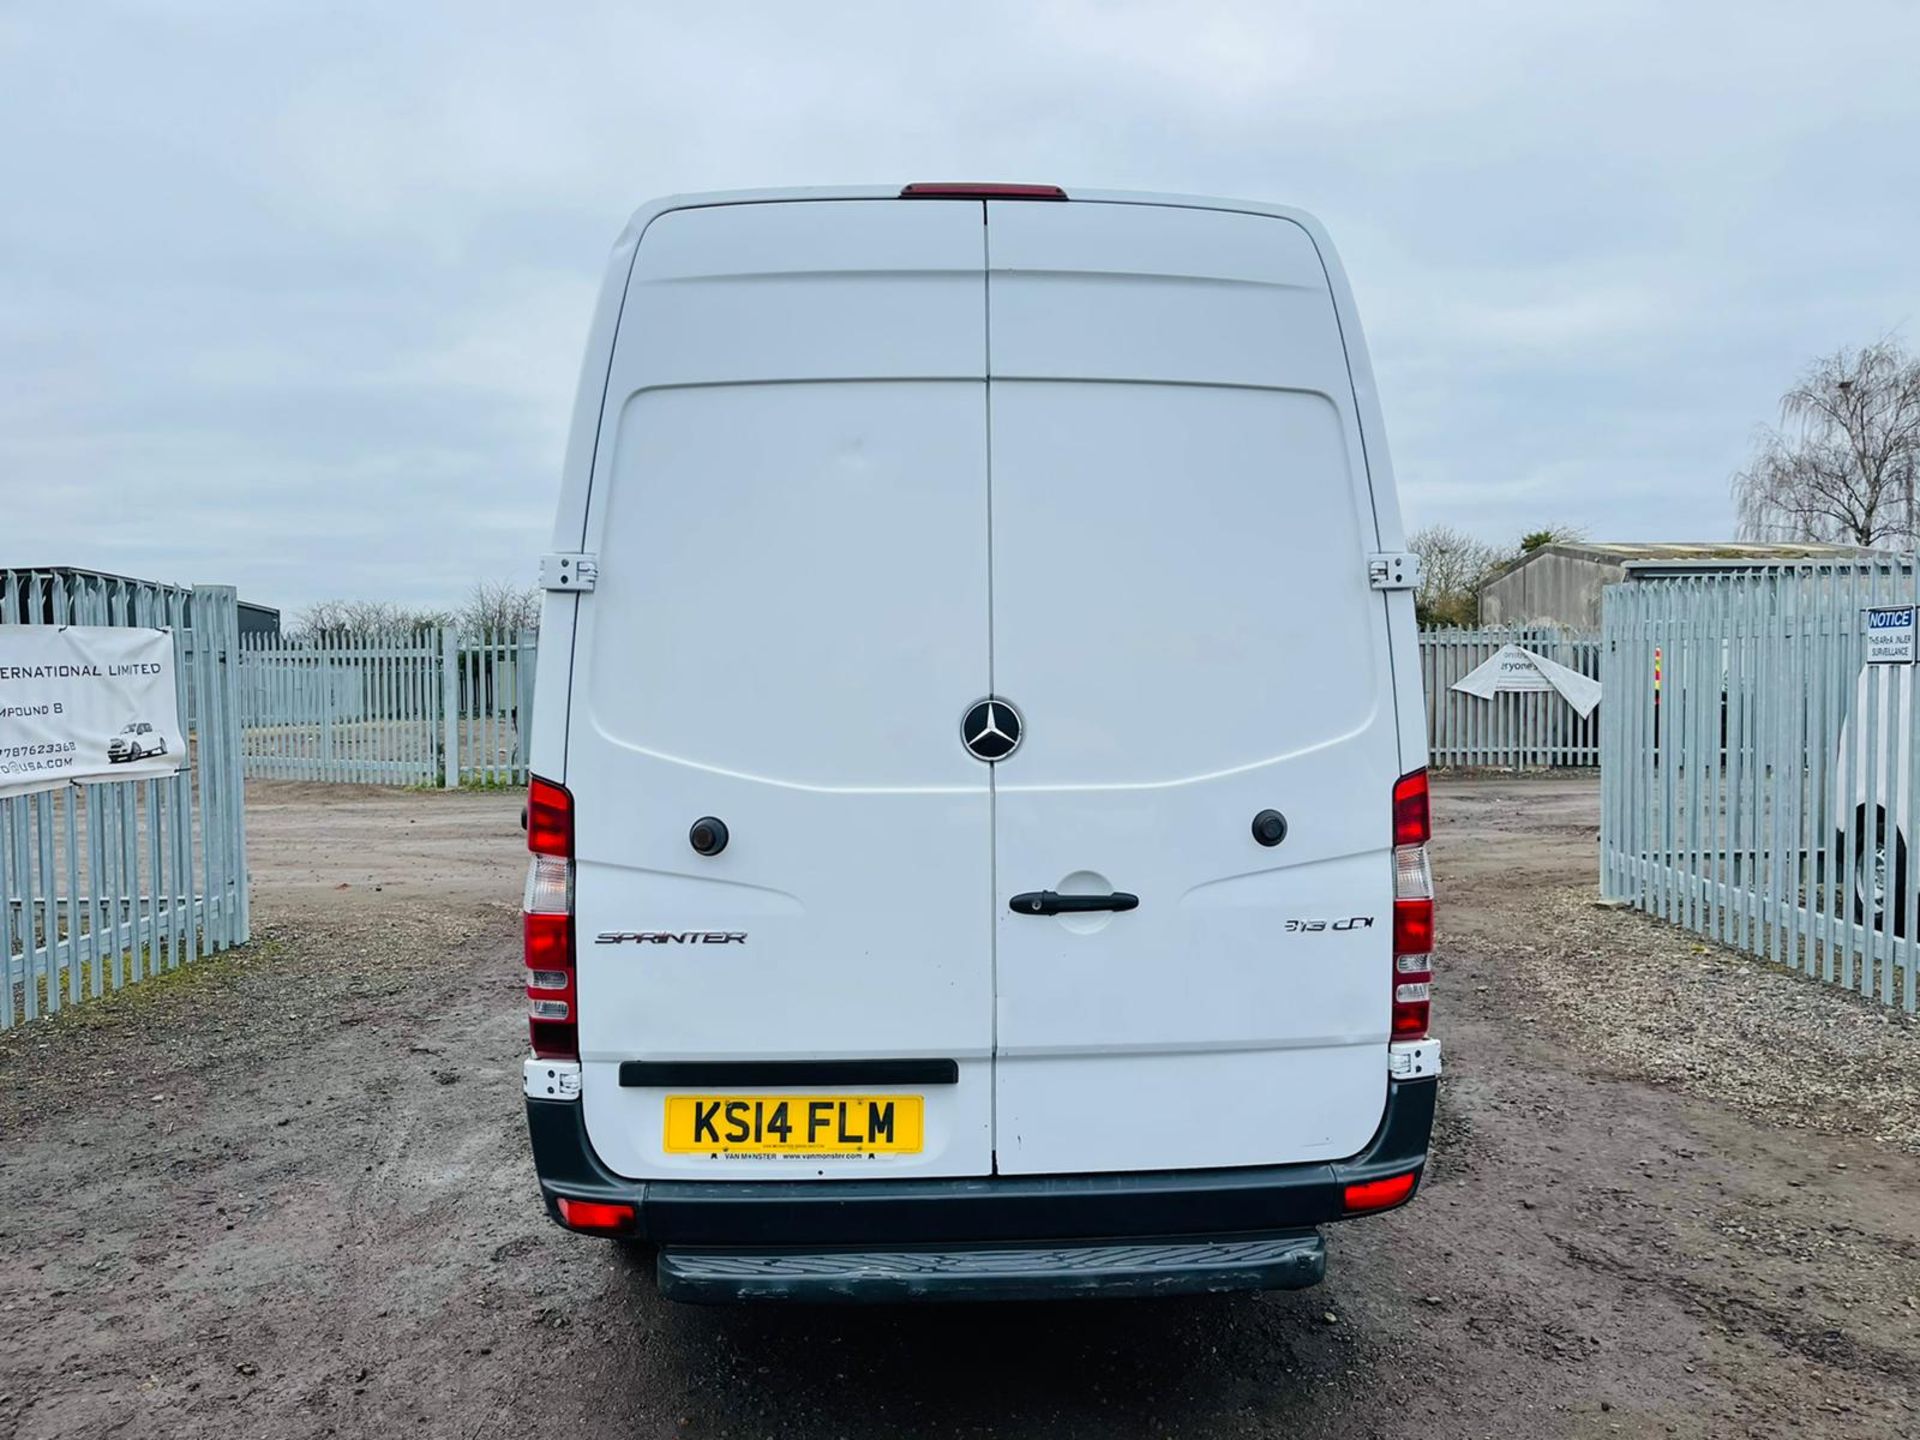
[{"x": 320, "y": 277}]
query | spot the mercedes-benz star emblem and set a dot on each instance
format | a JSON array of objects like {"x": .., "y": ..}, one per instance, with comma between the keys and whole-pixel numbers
[{"x": 991, "y": 730}]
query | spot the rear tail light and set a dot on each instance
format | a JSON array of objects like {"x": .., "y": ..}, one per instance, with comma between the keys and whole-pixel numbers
[
  {"x": 546, "y": 923},
  {"x": 596, "y": 1217},
  {"x": 1366, "y": 1196},
  {"x": 1412, "y": 910}
]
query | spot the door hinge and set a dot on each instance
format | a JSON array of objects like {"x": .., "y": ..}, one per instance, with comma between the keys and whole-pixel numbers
[
  {"x": 1394, "y": 570},
  {"x": 568, "y": 570}
]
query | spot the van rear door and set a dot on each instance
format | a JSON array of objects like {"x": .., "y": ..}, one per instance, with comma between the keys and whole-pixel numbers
[
  {"x": 789, "y": 507},
  {"x": 1181, "y": 612}
]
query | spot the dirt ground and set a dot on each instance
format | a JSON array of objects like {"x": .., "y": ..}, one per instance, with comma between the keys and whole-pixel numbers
[{"x": 1674, "y": 1192}]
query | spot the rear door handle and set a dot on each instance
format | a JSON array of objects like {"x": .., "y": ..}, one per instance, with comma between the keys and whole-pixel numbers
[{"x": 1051, "y": 902}]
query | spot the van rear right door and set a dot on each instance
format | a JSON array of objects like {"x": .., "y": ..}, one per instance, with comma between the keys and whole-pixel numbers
[{"x": 1181, "y": 613}]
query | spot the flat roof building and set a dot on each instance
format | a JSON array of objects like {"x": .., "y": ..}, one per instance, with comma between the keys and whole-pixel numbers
[{"x": 1561, "y": 584}]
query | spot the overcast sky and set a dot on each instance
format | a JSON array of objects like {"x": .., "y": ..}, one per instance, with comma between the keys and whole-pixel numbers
[{"x": 292, "y": 297}]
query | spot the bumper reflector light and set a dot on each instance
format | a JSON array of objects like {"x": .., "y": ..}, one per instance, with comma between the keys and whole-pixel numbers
[
  {"x": 598, "y": 1217},
  {"x": 1366, "y": 1196}
]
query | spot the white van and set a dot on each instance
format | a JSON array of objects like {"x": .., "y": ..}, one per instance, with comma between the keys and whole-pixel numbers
[{"x": 979, "y": 847}]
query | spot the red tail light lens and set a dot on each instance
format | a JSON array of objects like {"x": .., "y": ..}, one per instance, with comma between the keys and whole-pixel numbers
[
  {"x": 546, "y": 923},
  {"x": 554, "y": 1039},
  {"x": 1366, "y": 1196},
  {"x": 549, "y": 819},
  {"x": 1413, "y": 930},
  {"x": 1412, "y": 1006},
  {"x": 1412, "y": 822},
  {"x": 596, "y": 1217}
]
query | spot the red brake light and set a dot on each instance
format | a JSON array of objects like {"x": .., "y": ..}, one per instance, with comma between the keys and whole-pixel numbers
[
  {"x": 962, "y": 190},
  {"x": 597, "y": 1217},
  {"x": 1412, "y": 822},
  {"x": 549, "y": 819},
  {"x": 1366, "y": 1196}
]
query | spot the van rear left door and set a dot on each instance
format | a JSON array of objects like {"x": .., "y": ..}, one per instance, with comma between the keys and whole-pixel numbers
[{"x": 789, "y": 507}]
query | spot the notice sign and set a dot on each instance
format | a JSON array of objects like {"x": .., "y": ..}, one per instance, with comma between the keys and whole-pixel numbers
[
  {"x": 1890, "y": 635},
  {"x": 86, "y": 702}
]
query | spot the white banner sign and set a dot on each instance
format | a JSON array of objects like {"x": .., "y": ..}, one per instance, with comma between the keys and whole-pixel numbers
[
  {"x": 1511, "y": 668},
  {"x": 86, "y": 702}
]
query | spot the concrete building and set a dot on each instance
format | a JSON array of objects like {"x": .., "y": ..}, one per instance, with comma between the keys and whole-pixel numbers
[{"x": 1561, "y": 584}]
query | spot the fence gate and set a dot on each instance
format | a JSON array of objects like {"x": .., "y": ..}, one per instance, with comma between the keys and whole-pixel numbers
[
  {"x": 343, "y": 708},
  {"x": 430, "y": 708},
  {"x": 1757, "y": 783},
  {"x": 103, "y": 883},
  {"x": 1516, "y": 729}
]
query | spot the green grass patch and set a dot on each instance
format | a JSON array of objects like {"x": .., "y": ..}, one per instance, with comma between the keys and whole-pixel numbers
[{"x": 134, "y": 997}]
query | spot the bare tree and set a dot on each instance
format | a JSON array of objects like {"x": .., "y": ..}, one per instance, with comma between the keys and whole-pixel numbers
[
  {"x": 328, "y": 618},
  {"x": 1843, "y": 463},
  {"x": 496, "y": 605},
  {"x": 1452, "y": 566}
]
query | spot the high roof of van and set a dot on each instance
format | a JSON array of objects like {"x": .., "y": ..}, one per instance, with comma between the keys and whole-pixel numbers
[{"x": 986, "y": 191}]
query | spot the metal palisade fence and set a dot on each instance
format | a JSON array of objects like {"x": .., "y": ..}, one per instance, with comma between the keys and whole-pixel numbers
[
  {"x": 104, "y": 883},
  {"x": 1513, "y": 730},
  {"x": 391, "y": 709},
  {"x": 1757, "y": 782},
  {"x": 432, "y": 707}
]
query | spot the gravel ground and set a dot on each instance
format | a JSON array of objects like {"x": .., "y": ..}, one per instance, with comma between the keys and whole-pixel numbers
[{"x": 287, "y": 1193}]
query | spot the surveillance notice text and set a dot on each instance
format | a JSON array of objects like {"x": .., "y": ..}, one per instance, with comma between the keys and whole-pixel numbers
[{"x": 1890, "y": 635}]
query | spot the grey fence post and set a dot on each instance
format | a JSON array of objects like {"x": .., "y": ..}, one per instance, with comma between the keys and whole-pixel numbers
[
  {"x": 216, "y": 636},
  {"x": 529, "y": 650},
  {"x": 450, "y": 704}
]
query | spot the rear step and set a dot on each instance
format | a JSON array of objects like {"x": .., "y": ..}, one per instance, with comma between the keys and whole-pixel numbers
[{"x": 1288, "y": 1261}]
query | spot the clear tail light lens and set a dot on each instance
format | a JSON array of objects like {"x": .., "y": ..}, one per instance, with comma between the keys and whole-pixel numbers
[
  {"x": 549, "y": 886},
  {"x": 1412, "y": 873}
]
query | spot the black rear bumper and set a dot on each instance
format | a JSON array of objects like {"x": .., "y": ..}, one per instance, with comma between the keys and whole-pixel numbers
[{"x": 1003, "y": 1209}]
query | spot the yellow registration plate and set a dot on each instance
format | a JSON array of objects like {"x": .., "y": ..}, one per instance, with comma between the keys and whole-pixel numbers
[{"x": 748, "y": 1126}]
